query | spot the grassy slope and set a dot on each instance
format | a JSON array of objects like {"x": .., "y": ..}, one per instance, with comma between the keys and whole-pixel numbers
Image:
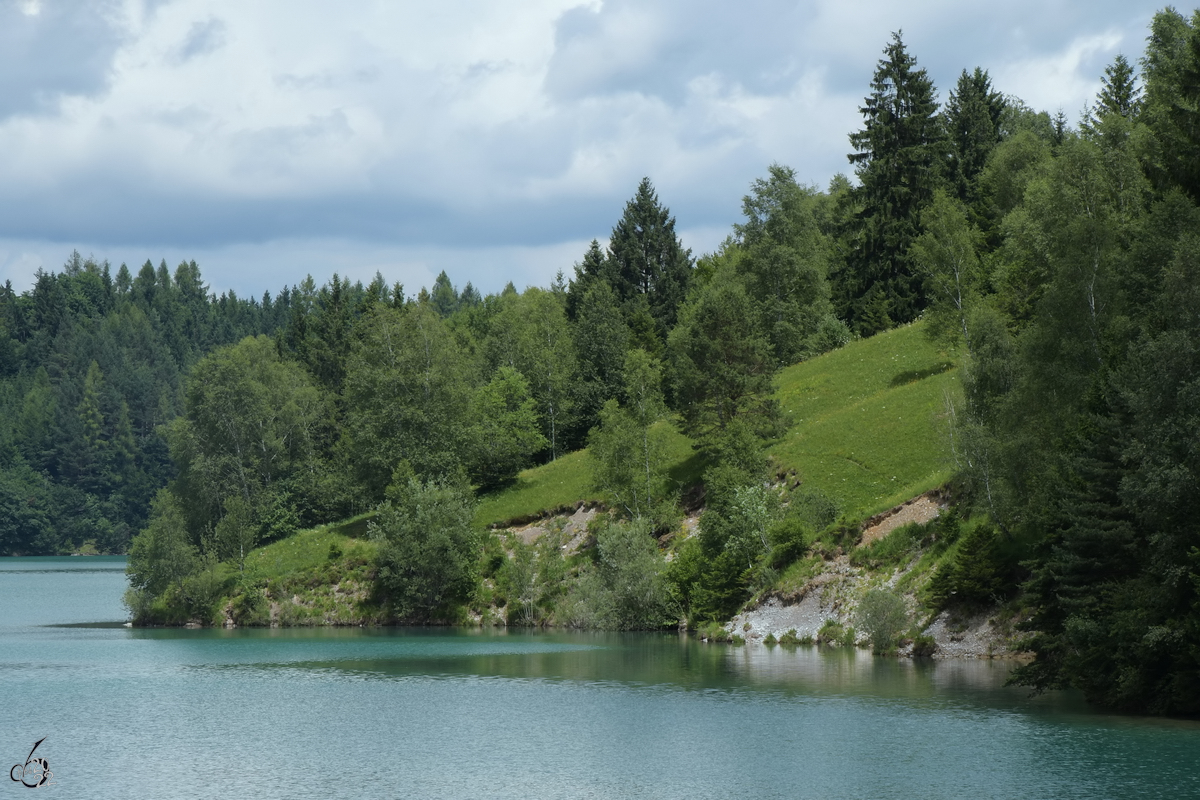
[
  {"x": 865, "y": 430},
  {"x": 309, "y": 549},
  {"x": 867, "y": 425},
  {"x": 568, "y": 480}
]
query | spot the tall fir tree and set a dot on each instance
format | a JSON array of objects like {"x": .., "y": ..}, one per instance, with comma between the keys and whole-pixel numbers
[
  {"x": 973, "y": 115},
  {"x": 646, "y": 258},
  {"x": 899, "y": 159}
]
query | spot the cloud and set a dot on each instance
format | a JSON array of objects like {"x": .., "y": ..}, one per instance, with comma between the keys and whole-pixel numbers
[
  {"x": 52, "y": 50},
  {"x": 202, "y": 38},
  {"x": 407, "y": 134}
]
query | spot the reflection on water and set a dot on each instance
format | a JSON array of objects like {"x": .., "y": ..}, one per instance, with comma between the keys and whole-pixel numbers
[{"x": 469, "y": 713}]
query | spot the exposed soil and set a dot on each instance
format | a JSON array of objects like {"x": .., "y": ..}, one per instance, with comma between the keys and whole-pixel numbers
[{"x": 920, "y": 509}]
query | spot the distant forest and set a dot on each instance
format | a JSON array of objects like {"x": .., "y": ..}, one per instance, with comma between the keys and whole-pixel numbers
[{"x": 1061, "y": 262}]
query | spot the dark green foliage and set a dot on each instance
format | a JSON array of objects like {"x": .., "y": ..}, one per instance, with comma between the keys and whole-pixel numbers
[
  {"x": 428, "y": 550},
  {"x": 504, "y": 429},
  {"x": 407, "y": 397},
  {"x": 924, "y": 647},
  {"x": 601, "y": 339},
  {"x": 645, "y": 258},
  {"x": 90, "y": 368},
  {"x": 721, "y": 364},
  {"x": 1120, "y": 93},
  {"x": 973, "y": 114},
  {"x": 899, "y": 159},
  {"x": 977, "y": 576},
  {"x": 252, "y": 421},
  {"x": 783, "y": 261}
]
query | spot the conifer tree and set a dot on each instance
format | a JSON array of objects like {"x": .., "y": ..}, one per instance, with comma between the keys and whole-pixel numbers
[
  {"x": 899, "y": 159},
  {"x": 1120, "y": 94},
  {"x": 973, "y": 115},
  {"x": 647, "y": 259}
]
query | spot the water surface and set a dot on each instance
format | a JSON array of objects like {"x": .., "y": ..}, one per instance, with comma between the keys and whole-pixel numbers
[{"x": 453, "y": 714}]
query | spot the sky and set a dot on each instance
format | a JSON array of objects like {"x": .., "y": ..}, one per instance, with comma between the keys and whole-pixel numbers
[{"x": 492, "y": 139}]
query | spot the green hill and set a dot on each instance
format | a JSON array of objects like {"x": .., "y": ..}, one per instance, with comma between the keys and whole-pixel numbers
[
  {"x": 867, "y": 428},
  {"x": 868, "y": 424}
]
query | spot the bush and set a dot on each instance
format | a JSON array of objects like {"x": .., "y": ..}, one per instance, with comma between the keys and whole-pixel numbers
[
  {"x": 834, "y": 633},
  {"x": 791, "y": 640},
  {"x": 627, "y": 587},
  {"x": 883, "y": 616},
  {"x": 428, "y": 550},
  {"x": 924, "y": 647},
  {"x": 713, "y": 632},
  {"x": 770, "y": 641},
  {"x": 977, "y": 576},
  {"x": 250, "y": 608}
]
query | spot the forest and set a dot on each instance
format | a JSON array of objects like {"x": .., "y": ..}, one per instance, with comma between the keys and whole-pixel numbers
[{"x": 1058, "y": 263}]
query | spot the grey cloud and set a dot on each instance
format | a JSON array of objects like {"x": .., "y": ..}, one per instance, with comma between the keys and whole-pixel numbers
[
  {"x": 202, "y": 38},
  {"x": 49, "y": 50},
  {"x": 629, "y": 46}
]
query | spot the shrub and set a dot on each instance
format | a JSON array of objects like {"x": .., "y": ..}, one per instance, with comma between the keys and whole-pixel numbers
[
  {"x": 883, "y": 616},
  {"x": 428, "y": 550},
  {"x": 250, "y": 608},
  {"x": 977, "y": 576},
  {"x": 924, "y": 647},
  {"x": 713, "y": 632},
  {"x": 831, "y": 632},
  {"x": 770, "y": 641}
]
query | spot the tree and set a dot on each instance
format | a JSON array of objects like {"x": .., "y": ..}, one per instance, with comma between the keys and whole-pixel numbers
[
  {"x": 1120, "y": 93},
  {"x": 721, "y": 365},
  {"x": 627, "y": 450},
  {"x": 408, "y": 394},
  {"x": 161, "y": 554},
  {"x": 945, "y": 255},
  {"x": 899, "y": 158},
  {"x": 601, "y": 338},
  {"x": 783, "y": 260},
  {"x": 973, "y": 115},
  {"x": 647, "y": 259},
  {"x": 883, "y": 617},
  {"x": 251, "y": 421},
  {"x": 593, "y": 269},
  {"x": 505, "y": 432},
  {"x": 427, "y": 548},
  {"x": 531, "y": 335},
  {"x": 444, "y": 296},
  {"x": 1171, "y": 103}
]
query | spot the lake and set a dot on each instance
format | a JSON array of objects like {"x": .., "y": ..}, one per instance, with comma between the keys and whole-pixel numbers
[{"x": 417, "y": 713}]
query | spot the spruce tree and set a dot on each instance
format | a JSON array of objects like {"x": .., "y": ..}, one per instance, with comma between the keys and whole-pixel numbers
[
  {"x": 899, "y": 158},
  {"x": 1120, "y": 95},
  {"x": 973, "y": 115},
  {"x": 646, "y": 258}
]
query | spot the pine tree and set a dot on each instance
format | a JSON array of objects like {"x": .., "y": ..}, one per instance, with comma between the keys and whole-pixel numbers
[
  {"x": 647, "y": 259},
  {"x": 593, "y": 268},
  {"x": 444, "y": 296},
  {"x": 973, "y": 115},
  {"x": 1120, "y": 94},
  {"x": 899, "y": 158}
]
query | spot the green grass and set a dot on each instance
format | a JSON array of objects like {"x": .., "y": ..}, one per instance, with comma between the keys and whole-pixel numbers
[
  {"x": 867, "y": 430},
  {"x": 309, "y": 549},
  {"x": 867, "y": 420},
  {"x": 568, "y": 479}
]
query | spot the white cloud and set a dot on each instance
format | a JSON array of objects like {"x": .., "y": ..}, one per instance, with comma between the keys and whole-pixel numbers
[{"x": 470, "y": 134}]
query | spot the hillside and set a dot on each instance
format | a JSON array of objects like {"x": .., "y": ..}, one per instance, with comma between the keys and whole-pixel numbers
[{"x": 866, "y": 428}]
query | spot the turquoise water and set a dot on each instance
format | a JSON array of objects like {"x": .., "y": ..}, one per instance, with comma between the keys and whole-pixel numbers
[{"x": 412, "y": 713}]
